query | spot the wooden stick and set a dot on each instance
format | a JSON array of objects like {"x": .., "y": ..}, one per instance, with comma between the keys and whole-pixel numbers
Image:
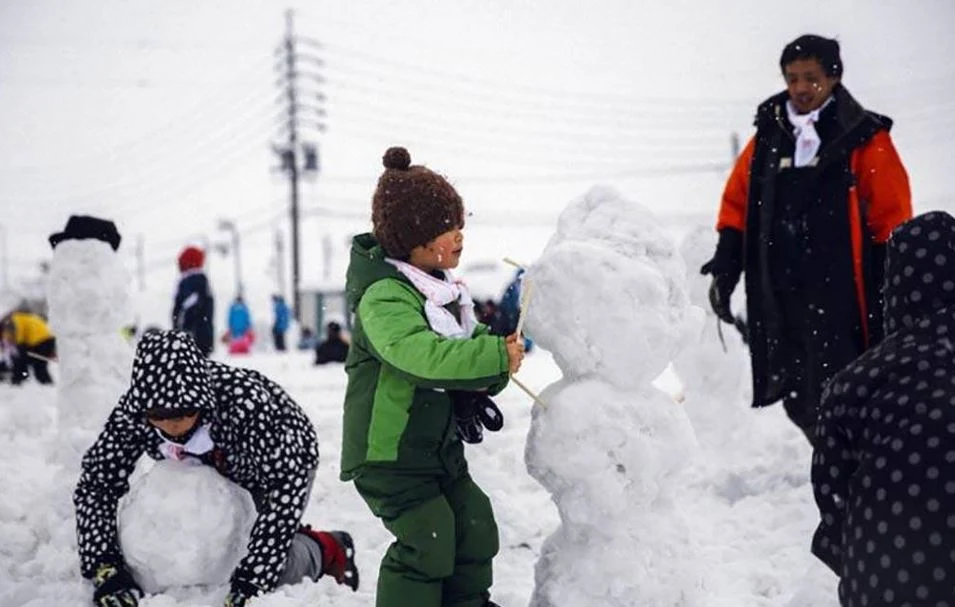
[
  {"x": 525, "y": 300},
  {"x": 513, "y": 263},
  {"x": 40, "y": 357},
  {"x": 527, "y": 391}
]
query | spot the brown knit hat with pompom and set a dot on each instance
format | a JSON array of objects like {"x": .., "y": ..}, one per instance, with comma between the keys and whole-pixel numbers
[{"x": 412, "y": 205}]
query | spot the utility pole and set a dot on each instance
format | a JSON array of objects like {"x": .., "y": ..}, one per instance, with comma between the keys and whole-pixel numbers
[
  {"x": 293, "y": 165},
  {"x": 734, "y": 148},
  {"x": 289, "y": 153},
  {"x": 280, "y": 261}
]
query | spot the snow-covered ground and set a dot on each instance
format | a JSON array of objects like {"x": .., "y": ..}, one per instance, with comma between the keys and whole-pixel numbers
[{"x": 748, "y": 497}]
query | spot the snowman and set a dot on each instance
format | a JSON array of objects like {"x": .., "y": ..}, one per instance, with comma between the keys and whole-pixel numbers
[
  {"x": 88, "y": 295},
  {"x": 609, "y": 302}
]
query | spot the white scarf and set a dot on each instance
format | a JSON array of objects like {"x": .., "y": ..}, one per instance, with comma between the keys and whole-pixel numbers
[
  {"x": 439, "y": 293},
  {"x": 807, "y": 139},
  {"x": 198, "y": 444}
]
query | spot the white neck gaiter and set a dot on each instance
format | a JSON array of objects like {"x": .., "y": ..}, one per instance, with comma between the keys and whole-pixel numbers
[
  {"x": 439, "y": 293},
  {"x": 198, "y": 444},
  {"x": 807, "y": 139}
]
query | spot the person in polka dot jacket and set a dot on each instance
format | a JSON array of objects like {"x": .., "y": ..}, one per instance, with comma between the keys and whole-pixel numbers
[
  {"x": 179, "y": 406},
  {"x": 883, "y": 471}
]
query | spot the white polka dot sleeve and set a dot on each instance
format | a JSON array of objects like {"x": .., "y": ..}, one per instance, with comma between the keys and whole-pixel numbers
[{"x": 103, "y": 481}]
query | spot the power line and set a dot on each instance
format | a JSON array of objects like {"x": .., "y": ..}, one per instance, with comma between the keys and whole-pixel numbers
[{"x": 221, "y": 102}]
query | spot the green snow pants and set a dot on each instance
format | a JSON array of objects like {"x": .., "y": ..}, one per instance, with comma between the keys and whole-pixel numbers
[{"x": 445, "y": 539}]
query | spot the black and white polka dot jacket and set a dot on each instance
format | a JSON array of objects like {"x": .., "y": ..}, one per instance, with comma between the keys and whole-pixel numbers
[
  {"x": 883, "y": 470},
  {"x": 264, "y": 443}
]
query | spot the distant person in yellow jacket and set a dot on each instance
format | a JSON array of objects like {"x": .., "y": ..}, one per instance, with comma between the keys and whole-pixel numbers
[{"x": 33, "y": 343}]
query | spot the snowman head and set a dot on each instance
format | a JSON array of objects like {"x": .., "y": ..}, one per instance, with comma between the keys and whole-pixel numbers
[{"x": 608, "y": 294}]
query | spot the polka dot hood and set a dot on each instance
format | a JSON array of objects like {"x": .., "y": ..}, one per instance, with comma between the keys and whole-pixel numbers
[
  {"x": 170, "y": 373},
  {"x": 883, "y": 468},
  {"x": 262, "y": 441},
  {"x": 920, "y": 267}
]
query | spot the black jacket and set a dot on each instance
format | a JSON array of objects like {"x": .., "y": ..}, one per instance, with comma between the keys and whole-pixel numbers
[
  {"x": 194, "y": 308},
  {"x": 825, "y": 280},
  {"x": 264, "y": 443},
  {"x": 883, "y": 472},
  {"x": 332, "y": 350}
]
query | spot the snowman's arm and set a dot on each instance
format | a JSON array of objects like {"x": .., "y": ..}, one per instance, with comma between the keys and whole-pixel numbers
[
  {"x": 399, "y": 335},
  {"x": 103, "y": 481}
]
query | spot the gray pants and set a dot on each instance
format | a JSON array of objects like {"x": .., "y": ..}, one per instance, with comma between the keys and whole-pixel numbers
[{"x": 304, "y": 558}]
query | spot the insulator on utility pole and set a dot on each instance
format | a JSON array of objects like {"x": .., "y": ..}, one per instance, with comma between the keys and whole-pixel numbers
[{"x": 311, "y": 157}]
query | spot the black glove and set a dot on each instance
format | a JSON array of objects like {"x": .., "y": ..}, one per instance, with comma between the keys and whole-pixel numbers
[
  {"x": 240, "y": 592},
  {"x": 487, "y": 412},
  {"x": 720, "y": 292},
  {"x": 115, "y": 587},
  {"x": 726, "y": 267},
  {"x": 473, "y": 412},
  {"x": 467, "y": 424}
]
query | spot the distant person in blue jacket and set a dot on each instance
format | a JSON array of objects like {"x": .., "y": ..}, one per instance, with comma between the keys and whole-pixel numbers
[
  {"x": 282, "y": 319},
  {"x": 509, "y": 310},
  {"x": 193, "y": 306},
  {"x": 241, "y": 335}
]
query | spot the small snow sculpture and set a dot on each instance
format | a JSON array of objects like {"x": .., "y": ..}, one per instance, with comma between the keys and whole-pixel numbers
[{"x": 610, "y": 305}]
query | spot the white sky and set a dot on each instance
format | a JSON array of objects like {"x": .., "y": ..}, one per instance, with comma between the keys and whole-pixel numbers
[{"x": 159, "y": 114}]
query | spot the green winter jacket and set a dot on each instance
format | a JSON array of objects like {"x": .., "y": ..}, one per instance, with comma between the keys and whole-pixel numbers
[{"x": 397, "y": 413}]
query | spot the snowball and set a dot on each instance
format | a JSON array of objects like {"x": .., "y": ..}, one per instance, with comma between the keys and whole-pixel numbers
[
  {"x": 595, "y": 442},
  {"x": 183, "y": 525},
  {"x": 608, "y": 294},
  {"x": 611, "y": 461}
]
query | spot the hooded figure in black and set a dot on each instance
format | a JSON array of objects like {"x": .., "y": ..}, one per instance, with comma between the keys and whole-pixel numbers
[
  {"x": 252, "y": 432},
  {"x": 883, "y": 471}
]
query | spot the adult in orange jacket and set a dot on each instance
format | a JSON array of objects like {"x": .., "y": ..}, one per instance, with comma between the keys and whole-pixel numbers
[{"x": 805, "y": 214}]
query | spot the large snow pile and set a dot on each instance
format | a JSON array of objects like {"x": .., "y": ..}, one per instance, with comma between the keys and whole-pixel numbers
[
  {"x": 184, "y": 525},
  {"x": 608, "y": 301},
  {"x": 714, "y": 371}
]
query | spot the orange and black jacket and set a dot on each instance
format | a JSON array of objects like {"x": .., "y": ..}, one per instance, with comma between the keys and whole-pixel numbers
[{"x": 857, "y": 192}]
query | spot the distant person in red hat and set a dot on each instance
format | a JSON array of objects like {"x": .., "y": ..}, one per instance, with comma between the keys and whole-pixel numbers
[{"x": 193, "y": 307}]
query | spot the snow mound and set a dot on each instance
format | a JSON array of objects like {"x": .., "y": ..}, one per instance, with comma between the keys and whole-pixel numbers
[{"x": 199, "y": 540}]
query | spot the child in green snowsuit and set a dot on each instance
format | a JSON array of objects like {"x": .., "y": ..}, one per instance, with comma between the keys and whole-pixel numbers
[{"x": 416, "y": 338}]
